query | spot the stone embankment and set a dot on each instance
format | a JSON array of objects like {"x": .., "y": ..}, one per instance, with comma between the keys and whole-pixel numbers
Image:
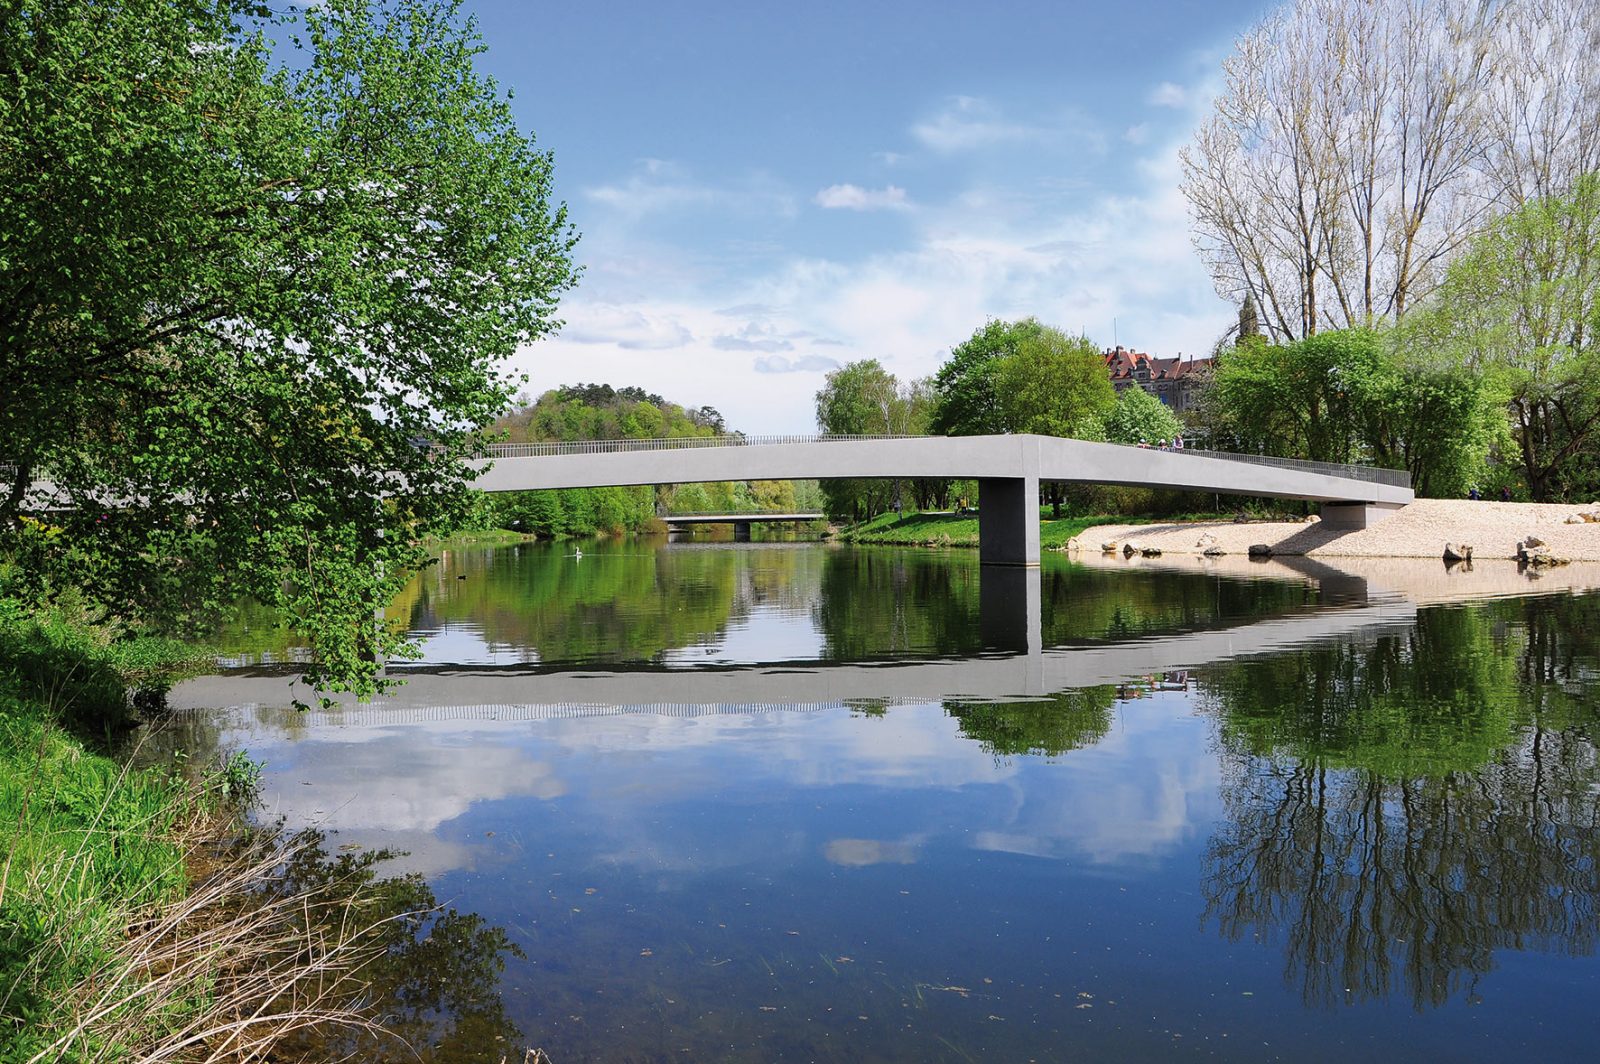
[{"x": 1421, "y": 530}]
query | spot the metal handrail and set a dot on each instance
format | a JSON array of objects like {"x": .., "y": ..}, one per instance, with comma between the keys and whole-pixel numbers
[
  {"x": 539, "y": 450},
  {"x": 1398, "y": 478}
]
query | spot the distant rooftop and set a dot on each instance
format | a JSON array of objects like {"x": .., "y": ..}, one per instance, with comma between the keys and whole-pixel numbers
[{"x": 1126, "y": 364}]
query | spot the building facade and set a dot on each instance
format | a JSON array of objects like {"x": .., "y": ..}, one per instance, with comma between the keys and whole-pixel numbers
[{"x": 1175, "y": 381}]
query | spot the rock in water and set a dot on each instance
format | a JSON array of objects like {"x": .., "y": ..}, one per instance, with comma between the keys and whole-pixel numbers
[
  {"x": 1533, "y": 553},
  {"x": 1110, "y": 546},
  {"x": 1151, "y": 552},
  {"x": 1457, "y": 552},
  {"x": 1213, "y": 551},
  {"x": 1260, "y": 550},
  {"x": 1130, "y": 549}
]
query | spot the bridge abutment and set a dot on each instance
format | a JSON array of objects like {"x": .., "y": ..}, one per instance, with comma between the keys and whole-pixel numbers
[
  {"x": 1008, "y": 520},
  {"x": 1358, "y": 514},
  {"x": 741, "y": 531}
]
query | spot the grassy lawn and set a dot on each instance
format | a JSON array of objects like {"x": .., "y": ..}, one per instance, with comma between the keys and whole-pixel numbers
[{"x": 950, "y": 530}]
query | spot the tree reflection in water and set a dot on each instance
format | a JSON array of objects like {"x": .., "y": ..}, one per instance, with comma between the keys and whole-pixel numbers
[
  {"x": 435, "y": 988},
  {"x": 1402, "y": 809},
  {"x": 1068, "y": 720}
]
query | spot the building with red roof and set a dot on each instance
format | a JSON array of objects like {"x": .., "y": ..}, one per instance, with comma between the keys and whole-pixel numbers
[{"x": 1175, "y": 381}]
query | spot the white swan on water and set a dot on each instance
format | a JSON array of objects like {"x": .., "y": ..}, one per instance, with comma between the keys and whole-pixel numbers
[{"x": 577, "y": 552}]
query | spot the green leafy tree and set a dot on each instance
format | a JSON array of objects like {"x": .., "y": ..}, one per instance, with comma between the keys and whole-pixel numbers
[
  {"x": 965, "y": 400},
  {"x": 1054, "y": 385},
  {"x": 578, "y": 412},
  {"x": 1301, "y": 400},
  {"x": 1522, "y": 307},
  {"x": 1442, "y": 424},
  {"x": 863, "y": 398},
  {"x": 1140, "y": 417},
  {"x": 1360, "y": 395},
  {"x": 252, "y": 312}
]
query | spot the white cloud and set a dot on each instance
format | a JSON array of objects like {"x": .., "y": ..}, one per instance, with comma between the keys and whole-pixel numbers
[
  {"x": 966, "y": 123},
  {"x": 1137, "y": 134},
  {"x": 856, "y": 198},
  {"x": 629, "y": 328},
  {"x": 659, "y": 186},
  {"x": 1070, "y": 254},
  {"x": 803, "y": 364},
  {"x": 1168, "y": 94},
  {"x": 755, "y": 336},
  {"x": 969, "y": 123}
]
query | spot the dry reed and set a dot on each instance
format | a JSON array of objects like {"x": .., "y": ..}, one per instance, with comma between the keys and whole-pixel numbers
[{"x": 230, "y": 970}]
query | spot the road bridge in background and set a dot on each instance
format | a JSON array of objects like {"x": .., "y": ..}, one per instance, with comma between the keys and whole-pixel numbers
[
  {"x": 741, "y": 522},
  {"x": 1008, "y": 469}
]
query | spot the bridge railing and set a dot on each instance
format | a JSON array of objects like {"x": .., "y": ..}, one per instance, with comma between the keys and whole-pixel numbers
[
  {"x": 1398, "y": 478},
  {"x": 539, "y": 450}
]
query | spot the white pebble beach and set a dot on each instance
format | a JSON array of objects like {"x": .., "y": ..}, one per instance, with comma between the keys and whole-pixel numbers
[{"x": 1420, "y": 530}]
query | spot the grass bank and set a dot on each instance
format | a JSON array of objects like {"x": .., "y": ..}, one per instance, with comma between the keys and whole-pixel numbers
[
  {"x": 141, "y": 919},
  {"x": 483, "y": 537},
  {"x": 952, "y": 530}
]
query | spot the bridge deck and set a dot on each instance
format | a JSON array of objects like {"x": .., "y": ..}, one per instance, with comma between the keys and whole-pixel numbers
[
  {"x": 1008, "y": 470},
  {"x": 521, "y": 467}
]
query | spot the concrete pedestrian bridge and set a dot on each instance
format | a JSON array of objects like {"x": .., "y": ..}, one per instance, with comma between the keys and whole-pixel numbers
[{"x": 1008, "y": 469}]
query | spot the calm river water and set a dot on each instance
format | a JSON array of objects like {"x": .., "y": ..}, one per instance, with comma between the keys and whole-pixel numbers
[{"x": 791, "y": 802}]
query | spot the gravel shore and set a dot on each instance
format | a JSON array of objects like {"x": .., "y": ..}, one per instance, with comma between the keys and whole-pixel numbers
[{"x": 1421, "y": 530}]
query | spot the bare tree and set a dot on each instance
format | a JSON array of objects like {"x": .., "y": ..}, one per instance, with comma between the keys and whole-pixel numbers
[
  {"x": 1545, "y": 95},
  {"x": 1358, "y": 144}
]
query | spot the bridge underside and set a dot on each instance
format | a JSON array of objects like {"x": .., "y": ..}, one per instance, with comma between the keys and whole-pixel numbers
[{"x": 1008, "y": 470}]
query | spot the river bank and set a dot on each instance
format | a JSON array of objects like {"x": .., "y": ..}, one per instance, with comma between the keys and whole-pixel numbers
[
  {"x": 141, "y": 916},
  {"x": 1420, "y": 530},
  {"x": 958, "y": 530}
]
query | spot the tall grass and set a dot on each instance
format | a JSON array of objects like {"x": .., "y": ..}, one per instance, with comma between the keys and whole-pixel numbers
[{"x": 140, "y": 919}]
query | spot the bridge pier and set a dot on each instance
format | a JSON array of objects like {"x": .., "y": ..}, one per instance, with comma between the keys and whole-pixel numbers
[
  {"x": 1008, "y": 520},
  {"x": 741, "y": 531}
]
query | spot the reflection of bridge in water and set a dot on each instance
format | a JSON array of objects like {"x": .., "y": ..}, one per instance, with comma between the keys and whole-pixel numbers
[{"x": 1013, "y": 665}]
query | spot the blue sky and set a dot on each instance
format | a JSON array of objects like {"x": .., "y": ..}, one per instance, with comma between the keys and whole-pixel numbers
[{"x": 768, "y": 191}]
